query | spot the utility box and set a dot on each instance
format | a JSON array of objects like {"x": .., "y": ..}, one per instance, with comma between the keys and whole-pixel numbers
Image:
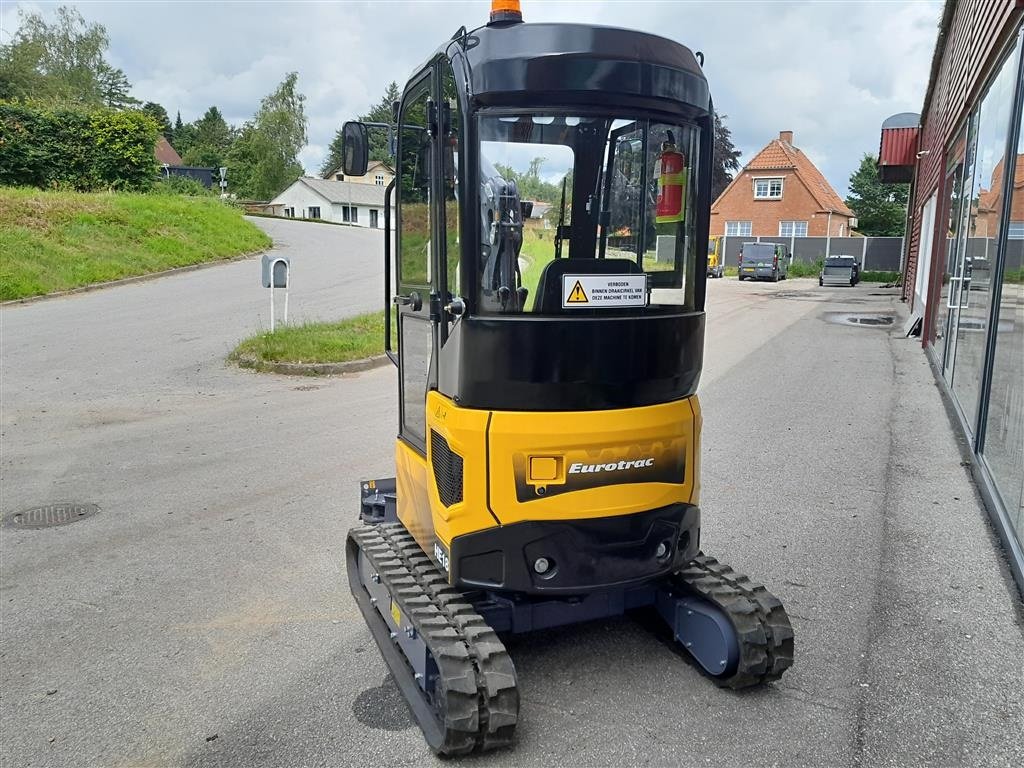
[{"x": 275, "y": 271}]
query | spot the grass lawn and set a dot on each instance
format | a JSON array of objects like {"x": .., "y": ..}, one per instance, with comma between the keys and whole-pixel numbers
[
  {"x": 352, "y": 339},
  {"x": 53, "y": 241}
]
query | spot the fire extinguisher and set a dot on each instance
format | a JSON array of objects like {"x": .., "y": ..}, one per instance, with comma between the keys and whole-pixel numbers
[{"x": 671, "y": 183}]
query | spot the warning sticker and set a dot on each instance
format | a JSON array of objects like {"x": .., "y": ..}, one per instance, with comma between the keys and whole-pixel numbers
[{"x": 603, "y": 291}]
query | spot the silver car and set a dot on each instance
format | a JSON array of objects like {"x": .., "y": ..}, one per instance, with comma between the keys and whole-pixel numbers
[{"x": 766, "y": 261}]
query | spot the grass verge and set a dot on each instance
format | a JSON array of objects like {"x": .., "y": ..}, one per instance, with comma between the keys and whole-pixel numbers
[
  {"x": 55, "y": 241},
  {"x": 354, "y": 338}
]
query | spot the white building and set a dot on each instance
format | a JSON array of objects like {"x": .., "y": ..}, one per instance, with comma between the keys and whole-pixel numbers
[{"x": 338, "y": 201}]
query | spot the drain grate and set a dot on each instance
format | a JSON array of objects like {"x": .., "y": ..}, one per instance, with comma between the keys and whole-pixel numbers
[{"x": 51, "y": 515}]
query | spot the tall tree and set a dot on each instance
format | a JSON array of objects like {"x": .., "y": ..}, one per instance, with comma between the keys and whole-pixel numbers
[
  {"x": 381, "y": 112},
  {"x": 265, "y": 157},
  {"x": 159, "y": 114},
  {"x": 61, "y": 62},
  {"x": 210, "y": 140},
  {"x": 881, "y": 208},
  {"x": 726, "y": 159},
  {"x": 115, "y": 88}
]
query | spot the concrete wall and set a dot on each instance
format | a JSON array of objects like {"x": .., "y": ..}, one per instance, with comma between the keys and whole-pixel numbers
[{"x": 873, "y": 253}]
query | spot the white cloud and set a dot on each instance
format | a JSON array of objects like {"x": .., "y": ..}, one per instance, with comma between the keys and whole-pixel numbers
[{"x": 829, "y": 71}]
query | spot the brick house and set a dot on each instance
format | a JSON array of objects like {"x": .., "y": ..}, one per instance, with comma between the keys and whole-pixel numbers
[{"x": 780, "y": 193}]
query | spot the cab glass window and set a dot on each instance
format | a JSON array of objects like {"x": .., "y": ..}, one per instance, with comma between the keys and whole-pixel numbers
[
  {"x": 414, "y": 164},
  {"x": 591, "y": 190}
]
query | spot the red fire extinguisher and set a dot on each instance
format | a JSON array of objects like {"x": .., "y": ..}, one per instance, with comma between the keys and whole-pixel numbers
[{"x": 671, "y": 183}]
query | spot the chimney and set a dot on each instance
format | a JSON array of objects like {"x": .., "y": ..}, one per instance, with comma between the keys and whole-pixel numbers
[{"x": 786, "y": 136}]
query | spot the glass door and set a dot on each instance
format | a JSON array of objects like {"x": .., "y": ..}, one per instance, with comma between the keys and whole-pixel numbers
[
  {"x": 416, "y": 333},
  {"x": 984, "y": 217},
  {"x": 959, "y": 175}
]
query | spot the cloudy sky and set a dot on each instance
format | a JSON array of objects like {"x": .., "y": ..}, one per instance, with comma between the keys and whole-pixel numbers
[{"x": 829, "y": 71}]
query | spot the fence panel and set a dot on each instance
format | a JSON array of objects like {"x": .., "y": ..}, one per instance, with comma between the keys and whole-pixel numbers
[
  {"x": 874, "y": 253},
  {"x": 883, "y": 254}
]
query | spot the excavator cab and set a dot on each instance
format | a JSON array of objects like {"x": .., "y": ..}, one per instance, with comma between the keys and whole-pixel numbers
[{"x": 552, "y": 200}]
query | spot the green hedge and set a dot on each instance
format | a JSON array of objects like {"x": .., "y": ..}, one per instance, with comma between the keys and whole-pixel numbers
[{"x": 76, "y": 148}]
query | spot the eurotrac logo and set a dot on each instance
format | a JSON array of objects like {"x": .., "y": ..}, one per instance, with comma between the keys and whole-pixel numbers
[{"x": 582, "y": 469}]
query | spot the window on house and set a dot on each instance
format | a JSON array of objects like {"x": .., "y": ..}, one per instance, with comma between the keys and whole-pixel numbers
[
  {"x": 314, "y": 212},
  {"x": 738, "y": 229},
  {"x": 379, "y": 180},
  {"x": 792, "y": 229},
  {"x": 339, "y": 177},
  {"x": 289, "y": 212},
  {"x": 350, "y": 214},
  {"x": 767, "y": 189}
]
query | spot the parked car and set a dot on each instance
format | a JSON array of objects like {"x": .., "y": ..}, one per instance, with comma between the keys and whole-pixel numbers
[
  {"x": 769, "y": 261},
  {"x": 716, "y": 265},
  {"x": 840, "y": 270}
]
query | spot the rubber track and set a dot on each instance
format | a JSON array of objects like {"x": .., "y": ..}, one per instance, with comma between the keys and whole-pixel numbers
[
  {"x": 762, "y": 625},
  {"x": 477, "y": 681},
  {"x": 498, "y": 694}
]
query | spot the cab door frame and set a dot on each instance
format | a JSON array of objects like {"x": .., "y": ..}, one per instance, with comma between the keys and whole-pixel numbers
[{"x": 416, "y": 296}]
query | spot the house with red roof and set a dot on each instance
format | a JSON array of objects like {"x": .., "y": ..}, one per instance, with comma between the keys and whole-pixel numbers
[{"x": 781, "y": 193}]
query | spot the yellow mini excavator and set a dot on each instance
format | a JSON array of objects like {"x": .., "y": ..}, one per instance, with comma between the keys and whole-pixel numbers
[{"x": 552, "y": 200}]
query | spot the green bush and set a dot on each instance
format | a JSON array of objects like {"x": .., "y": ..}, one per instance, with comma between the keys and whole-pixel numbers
[
  {"x": 803, "y": 269},
  {"x": 180, "y": 185},
  {"x": 76, "y": 148}
]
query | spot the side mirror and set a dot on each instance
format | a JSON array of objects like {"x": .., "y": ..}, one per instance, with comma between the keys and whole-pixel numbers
[{"x": 355, "y": 149}]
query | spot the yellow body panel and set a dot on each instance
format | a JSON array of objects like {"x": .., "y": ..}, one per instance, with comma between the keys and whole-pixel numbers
[
  {"x": 465, "y": 431},
  {"x": 411, "y": 483},
  {"x": 549, "y": 466},
  {"x": 664, "y": 437}
]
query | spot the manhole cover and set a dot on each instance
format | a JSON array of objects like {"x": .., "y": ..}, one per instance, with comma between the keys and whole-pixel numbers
[
  {"x": 51, "y": 515},
  {"x": 859, "y": 318}
]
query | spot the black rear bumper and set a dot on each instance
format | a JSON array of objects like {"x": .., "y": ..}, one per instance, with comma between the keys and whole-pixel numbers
[{"x": 583, "y": 555}]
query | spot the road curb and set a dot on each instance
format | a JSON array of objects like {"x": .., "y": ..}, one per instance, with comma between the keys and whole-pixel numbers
[
  {"x": 130, "y": 280},
  {"x": 311, "y": 369}
]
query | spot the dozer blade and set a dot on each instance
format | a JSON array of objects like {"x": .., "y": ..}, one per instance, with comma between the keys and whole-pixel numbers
[
  {"x": 737, "y": 631},
  {"x": 450, "y": 666}
]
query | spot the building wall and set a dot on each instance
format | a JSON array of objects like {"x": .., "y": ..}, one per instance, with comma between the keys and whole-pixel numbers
[
  {"x": 369, "y": 178},
  {"x": 363, "y": 214},
  {"x": 978, "y": 30},
  {"x": 302, "y": 198},
  {"x": 973, "y": 300},
  {"x": 738, "y": 204}
]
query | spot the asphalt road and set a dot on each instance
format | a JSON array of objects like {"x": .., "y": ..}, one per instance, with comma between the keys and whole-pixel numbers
[{"x": 202, "y": 618}]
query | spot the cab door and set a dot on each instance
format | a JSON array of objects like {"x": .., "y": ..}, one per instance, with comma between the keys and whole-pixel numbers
[{"x": 416, "y": 250}]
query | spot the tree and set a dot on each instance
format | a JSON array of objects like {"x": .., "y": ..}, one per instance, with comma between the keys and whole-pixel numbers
[
  {"x": 114, "y": 88},
  {"x": 381, "y": 112},
  {"x": 881, "y": 209},
  {"x": 184, "y": 135},
  {"x": 61, "y": 63},
  {"x": 725, "y": 160},
  {"x": 265, "y": 157},
  {"x": 163, "y": 121},
  {"x": 211, "y": 138}
]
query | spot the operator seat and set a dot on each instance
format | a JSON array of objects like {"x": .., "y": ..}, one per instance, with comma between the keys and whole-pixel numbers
[{"x": 549, "y": 287}]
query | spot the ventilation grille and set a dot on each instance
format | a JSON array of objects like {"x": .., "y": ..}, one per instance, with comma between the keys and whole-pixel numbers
[{"x": 447, "y": 470}]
